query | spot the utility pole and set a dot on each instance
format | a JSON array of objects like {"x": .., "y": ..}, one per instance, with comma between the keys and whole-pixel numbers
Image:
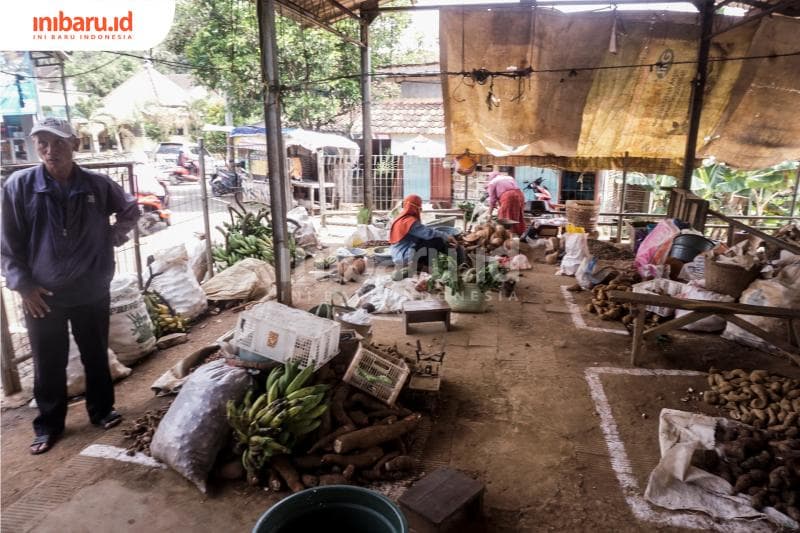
[
  {"x": 275, "y": 150},
  {"x": 366, "y": 109}
]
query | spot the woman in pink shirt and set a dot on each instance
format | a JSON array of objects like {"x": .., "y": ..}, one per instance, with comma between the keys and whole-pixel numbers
[{"x": 503, "y": 190}]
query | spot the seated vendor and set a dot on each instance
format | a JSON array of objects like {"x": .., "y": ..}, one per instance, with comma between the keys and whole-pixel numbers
[{"x": 411, "y": 240}]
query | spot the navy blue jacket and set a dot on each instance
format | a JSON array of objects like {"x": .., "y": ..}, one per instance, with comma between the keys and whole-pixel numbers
[{"x": 65, "y": 245}]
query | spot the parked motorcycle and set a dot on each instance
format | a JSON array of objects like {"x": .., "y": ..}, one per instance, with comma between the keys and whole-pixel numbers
[
  {"x": 178, "y": 175},
  {"x": 226, "y": 181},
  {"x": 544, "y": 200}
]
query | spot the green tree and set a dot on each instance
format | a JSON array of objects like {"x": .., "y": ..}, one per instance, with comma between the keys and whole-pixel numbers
[
  {"x": 100, "y": 73},
  {"x": 220, "y": 40}
]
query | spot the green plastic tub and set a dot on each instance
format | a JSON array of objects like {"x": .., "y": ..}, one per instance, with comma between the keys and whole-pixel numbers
[{"x": 333, "y": 509}]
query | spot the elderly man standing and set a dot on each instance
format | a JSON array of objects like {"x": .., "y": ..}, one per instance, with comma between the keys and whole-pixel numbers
[{"x": 58, "y": 253}]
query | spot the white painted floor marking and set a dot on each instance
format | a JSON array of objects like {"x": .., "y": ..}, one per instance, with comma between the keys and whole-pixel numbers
[
  {"x": 120, "y": 454},
  {"x": 634, "y": 496},
  {"x": 577, "y": 318}
]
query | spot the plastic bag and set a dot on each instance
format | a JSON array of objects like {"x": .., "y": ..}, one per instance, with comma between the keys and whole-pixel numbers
[
  {"x": 519, "y": 262},
  {"x": 655, "y": 248},
  {"x": 663, "y": 287},
  {"x": 249, "y": 279},
  {"x": 130, "y": 331},
  {"x": 176, "y": 283},
  {"x": 195, "y": 428},
  {"x": 576, "y": 250},
  {"x": 76, "y": 375},
  {"x": 305, "y": 236},
  {"x": 781, "y": 291},
  {"x": 365, "y": 233},
  {"x": 696, "y": 291},
  {"x": 196, "y": 250},
  {"x": 696, "y": 270}
]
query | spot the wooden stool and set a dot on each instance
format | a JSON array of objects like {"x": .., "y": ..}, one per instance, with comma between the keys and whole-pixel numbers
[
  {"x": 442, "y": 501},
  {"x": 417, "y": 311}
]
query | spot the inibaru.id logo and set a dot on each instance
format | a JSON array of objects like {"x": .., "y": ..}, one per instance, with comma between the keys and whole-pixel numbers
[{"x": 63, "y": 26}]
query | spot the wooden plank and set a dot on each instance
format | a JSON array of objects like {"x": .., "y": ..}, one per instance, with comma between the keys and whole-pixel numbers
[
  {"x": 703, "y": 306},
  {"x": 638, "y": 330},
  {"x": 758, "y": 332},
  {"x": 676, "y": 323},
  {"x": 10, "y": 375}
]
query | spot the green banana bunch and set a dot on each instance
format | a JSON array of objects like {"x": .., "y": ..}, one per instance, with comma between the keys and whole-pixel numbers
[{"x": 272, "y": 422}]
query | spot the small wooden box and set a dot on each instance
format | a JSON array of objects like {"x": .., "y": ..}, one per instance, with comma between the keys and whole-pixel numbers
[
  {"x": 418, "y": 311},
  {"x": 445, "y": 500}
]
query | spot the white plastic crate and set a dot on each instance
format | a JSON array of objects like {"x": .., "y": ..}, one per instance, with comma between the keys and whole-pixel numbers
[
  {"x": 378, "y": 374},
  {"x": 281, "y": 333}
]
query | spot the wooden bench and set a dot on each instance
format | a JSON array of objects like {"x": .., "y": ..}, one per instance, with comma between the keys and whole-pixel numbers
[
  {"x": 701, "y": 309},
  {"x": 418, "y": 311}
]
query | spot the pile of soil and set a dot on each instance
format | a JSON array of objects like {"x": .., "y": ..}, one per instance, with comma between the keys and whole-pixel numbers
[{"x": 603, "y": 250}]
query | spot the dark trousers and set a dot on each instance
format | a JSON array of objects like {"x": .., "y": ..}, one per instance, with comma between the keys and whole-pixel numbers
[{"x": 49, "y": 337}]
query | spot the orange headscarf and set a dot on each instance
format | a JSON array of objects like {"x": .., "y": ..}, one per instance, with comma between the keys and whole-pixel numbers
[{"x": 412, "y": 204}]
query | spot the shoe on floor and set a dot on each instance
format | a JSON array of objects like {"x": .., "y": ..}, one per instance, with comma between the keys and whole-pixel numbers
[{"x": 109, "y": 421}]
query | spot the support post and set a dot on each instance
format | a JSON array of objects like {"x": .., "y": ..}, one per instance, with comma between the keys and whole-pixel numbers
[
  {"x": 698, "y": 88},
  {"x": 276, "y": 155},
  {"x": 204, "y": 192},
  {"x": 323, "y": 191},
  {"x": 10, "y": 375},
  {"x": 64, "y": 90},
  {"x": 622, "y": 196},
  {"x": 793, "y": 205},
  {"x": 366, "y": 110},
  {"x": 137, "y": 245}
]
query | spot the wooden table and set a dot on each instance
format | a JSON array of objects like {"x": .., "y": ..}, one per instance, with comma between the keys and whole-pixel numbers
[
  {"x": 418, "y": 311},
  {"x": 701, "y": 309}
]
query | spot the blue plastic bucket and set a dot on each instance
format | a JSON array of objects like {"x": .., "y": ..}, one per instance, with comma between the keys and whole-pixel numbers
[{"x": 333, "y": 509}]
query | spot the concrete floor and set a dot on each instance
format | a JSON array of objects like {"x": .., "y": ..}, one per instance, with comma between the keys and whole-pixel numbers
[{"x": 525, "y": 408}]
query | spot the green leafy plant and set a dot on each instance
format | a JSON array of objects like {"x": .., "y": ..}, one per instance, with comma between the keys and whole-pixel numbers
[{"x": 446, "y": 272}]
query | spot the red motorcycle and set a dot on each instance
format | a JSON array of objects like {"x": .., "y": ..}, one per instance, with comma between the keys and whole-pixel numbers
[
  {"x": 543, "y": 196},
  {"x": 189, "y": 173},
  {"x": 155, "y": 216}
]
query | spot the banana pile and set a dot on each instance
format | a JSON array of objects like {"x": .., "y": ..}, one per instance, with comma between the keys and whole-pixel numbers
[
  {"x": 246, "y": 235},
  {"x": 164, "y": 320},
  {"x": 275, "y": 421}
]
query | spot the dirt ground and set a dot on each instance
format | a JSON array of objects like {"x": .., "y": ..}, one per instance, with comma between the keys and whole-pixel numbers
[{"x": 516, "y": 411}]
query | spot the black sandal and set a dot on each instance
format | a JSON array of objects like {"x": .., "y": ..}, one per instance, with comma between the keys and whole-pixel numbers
[
  {"x": 109, "y": 421},
  {"x": 42, "y": 444}
]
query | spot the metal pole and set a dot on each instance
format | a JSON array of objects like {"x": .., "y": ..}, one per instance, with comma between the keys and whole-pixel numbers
[
  {"x": 206, "y": 216},
  {"x": 10, "y": 374},
  {"x": 275, "y": 153},
  {"x": 64, "y": 89},
  {"x": 794, "y": 192},
  {"x": 137, "y": 252},
  {"x": 622, "y": 197},
  {"x": 366, "y": 111},
  {"x": 323, "y": 201},
  {"x": 698, "y": 88}
]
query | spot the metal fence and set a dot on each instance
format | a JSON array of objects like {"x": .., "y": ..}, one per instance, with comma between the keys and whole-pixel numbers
[{"x": 187, "y": 220}]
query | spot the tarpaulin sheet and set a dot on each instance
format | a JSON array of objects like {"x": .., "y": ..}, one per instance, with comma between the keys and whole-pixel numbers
[{"x": 589, "y": 119}]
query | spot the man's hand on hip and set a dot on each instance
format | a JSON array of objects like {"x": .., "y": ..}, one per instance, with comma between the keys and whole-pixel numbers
[{"x": 33, "y": 303}]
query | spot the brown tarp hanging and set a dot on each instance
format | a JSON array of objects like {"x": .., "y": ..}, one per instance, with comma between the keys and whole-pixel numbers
[{"x": 588, "y": 119}]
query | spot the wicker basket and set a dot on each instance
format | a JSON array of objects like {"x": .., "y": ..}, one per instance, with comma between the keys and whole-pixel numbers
[
  {"x": 582, "y": 213},
  {"x": 728, "y": 279}
]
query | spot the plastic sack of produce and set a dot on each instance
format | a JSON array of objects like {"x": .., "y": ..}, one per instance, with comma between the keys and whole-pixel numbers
[
  {"x": 696, "y": 291},
  {"x": 781, "y": 291},
  {"x": 576, "y": 250},
  {"x": 696, "y": 270},
  {"x": 76, "y": 376},
  {"x": 195, "y": 428},
  {"x": 655, "y": 248},
  {"x": 130, "y": 331},
  {"x": 365, "y": 233},
  {"x": 249, "y": 279},
  {"x": 176, "y": 283},
  {"x": 305, "y": 236},
  {"x": 196, "y": 251}
]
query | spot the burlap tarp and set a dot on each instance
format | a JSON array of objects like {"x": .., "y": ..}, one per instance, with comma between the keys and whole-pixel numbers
[{"x": 589, "y": 119}]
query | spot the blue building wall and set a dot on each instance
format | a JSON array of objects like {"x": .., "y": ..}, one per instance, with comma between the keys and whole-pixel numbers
[{"x": 527, "y": 174}]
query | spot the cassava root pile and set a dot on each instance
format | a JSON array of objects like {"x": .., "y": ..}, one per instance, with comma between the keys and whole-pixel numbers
[
  {"x": 764, "y": 400},
  {"x": 142, "y": 429}
]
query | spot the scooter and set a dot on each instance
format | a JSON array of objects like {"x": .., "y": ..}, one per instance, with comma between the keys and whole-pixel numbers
[
  {"x": 154, "y": 216},
  {"x": 544, "y": 200},
  {"x": 178, "y": 175},
  {"x": 225, "y": 181}
]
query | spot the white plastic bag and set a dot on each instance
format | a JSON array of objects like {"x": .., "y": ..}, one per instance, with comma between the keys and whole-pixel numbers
[
  {"x": 305, "y": 236},
  {"x": 584, "y": 274},
  {"x": 663, "y": 287},
  {"x": 696, "y": 270},
  {"x": 175, "y": 282},
  {"x": 653, "y": 251},
  {"x": 696, "y": 291},
  {"x": 195, "y": 428},
  {"x": 364, "y": 233},
  {"x": 130, "y": 331},
  {"x": 576, "y": 250},
  {"x": 781, "y": 291},
  {"x": 519, "y": 262},
  {"x": 196, "y": 250},
  {"x": 76, "y": 375}
]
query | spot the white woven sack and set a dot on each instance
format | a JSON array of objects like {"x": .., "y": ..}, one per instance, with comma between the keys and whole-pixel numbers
[
  {"x": 176, "y": 283},
  {"x": 130, "y": 331}
]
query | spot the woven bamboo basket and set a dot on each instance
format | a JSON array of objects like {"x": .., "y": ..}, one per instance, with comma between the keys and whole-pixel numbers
[
  {"x": 582, "y": 213},
  {"x": 728, "y": 279}
]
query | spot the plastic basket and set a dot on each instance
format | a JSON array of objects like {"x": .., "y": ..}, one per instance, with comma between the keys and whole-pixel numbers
[
  {"x": 281, "y": 333},
  {"x": 381, "y": 375}
]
